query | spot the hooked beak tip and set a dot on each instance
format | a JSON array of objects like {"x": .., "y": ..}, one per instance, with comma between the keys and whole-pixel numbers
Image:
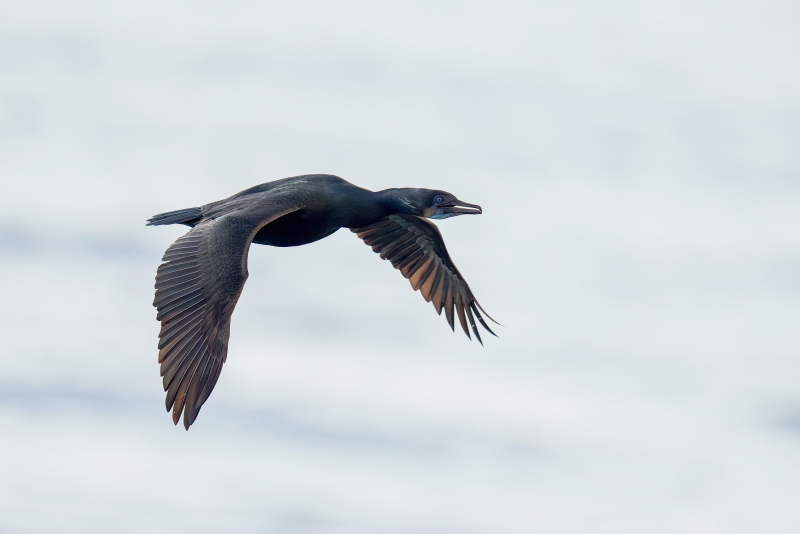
[{"x": 474, "y": 208}]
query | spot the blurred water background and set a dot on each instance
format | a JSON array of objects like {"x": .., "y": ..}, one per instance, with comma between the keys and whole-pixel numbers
[{"x": 639, "y": 168}]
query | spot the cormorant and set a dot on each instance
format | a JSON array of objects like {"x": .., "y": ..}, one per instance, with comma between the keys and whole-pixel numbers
[{"x": 204, "y": 271}]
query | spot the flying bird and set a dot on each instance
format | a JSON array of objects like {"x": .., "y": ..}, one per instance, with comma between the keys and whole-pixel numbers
[{"x": 204, "y": 271}]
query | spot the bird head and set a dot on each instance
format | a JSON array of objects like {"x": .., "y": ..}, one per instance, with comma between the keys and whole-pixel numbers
[{"x": 432, "y": 203}]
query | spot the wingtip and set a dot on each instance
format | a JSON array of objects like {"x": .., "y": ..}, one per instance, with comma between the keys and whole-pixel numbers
[{"x": 487, "y": 315}]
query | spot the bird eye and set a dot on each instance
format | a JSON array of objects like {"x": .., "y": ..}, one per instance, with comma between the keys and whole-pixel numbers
[{"x": 438, "y": 199}]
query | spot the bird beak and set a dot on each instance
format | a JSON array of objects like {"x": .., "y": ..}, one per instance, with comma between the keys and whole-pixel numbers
[{"x": 460, "y": 208}]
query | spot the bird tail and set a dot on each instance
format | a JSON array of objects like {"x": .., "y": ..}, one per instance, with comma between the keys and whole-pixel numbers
[{"x": 185, "y": 216}]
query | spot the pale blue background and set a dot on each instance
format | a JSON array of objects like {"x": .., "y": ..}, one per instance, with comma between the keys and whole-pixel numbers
[{"x": 639, "y": 168}]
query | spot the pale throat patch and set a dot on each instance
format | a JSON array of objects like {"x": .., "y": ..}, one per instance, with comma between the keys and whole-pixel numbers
[{"x": 438, "y": 214}]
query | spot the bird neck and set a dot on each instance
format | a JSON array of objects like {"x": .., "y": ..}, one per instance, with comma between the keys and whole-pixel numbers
[
  {"x": 360, "y": 207},
  {"x": 394, "y": 201}
]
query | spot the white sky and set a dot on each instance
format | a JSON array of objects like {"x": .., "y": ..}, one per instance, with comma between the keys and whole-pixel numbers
[{"x": 639, "y": 171}]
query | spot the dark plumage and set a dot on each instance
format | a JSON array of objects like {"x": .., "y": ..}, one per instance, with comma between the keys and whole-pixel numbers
[{"x": 204, "y": 271}]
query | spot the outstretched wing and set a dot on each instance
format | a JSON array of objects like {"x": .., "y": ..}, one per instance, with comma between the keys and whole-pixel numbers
[
  {"x": 415, "y": 247},
  {"x": 196, "y": 290}
]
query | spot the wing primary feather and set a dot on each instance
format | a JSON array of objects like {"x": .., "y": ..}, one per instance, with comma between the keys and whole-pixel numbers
[
  {"x": 472, "y": 323},
  {"x": 179, "y": 383},
  {"x": 385, "y": 236},
  {"x": 425, "y": 270},
  {"x": 179, "y": 344},
  {"x": 436, "y": 291},
  {"x": 172, "y": 268},
  {"x": 186, "y": 257},
  {"x": 401, "y": 242},
  {"x": 176, "y": 266},
  {"x": 163, "y": 290},
  {"x": 373, "y": 233},
  {"x": 188, "y": 238},
  {"x": 430, "y": 279},
  {"x": 420, "y": 269},
  {"x": 448, "y": 305},
  {"x": 486, "y": 314},
  {"x": 181, "y": 248},
  {"x": 398, "y": 255},
  {"x": 167, "y": 299},
  {"x": 379, "y": 244},
  {"x": 177, "y": 325},
  {"x": 365, "y": 233},
  {"x": 169, "y": 274},
  {"x": 380, "y": 224},
  {"x": 478, "y": 315},
  {"x": 208, "y": 387},
  {"x": 186, "y": 241},
  {"x": 411, "y": 259},
  {"x": 208, "y": 370},
  {"x": 460, "y": 312},
  {"x": 180, "y": 396},
  {"x": 413, "y": 265},
  {"x": 180, "y": 252},
  {"x": 178, "y": 305},
  {"x": 180, "y": 337},
  {"x": 382, "y": 237},
  {"x": 171, "y": 367},
  {"x": 169, "y": 281},
  {"x": 195, "y": 381},
  {"x": 168, "y": 320},
  {"x": 168, "y": 293}
]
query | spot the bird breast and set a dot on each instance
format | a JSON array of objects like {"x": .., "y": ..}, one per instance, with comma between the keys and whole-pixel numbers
[{"x": 293, "y": 230}]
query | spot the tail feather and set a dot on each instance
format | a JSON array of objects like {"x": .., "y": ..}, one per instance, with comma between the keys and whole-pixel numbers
[{"x": 184, "y": 216}]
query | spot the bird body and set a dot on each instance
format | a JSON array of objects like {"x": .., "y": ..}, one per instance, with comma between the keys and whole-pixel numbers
[{"x": 205, "y": 270}]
